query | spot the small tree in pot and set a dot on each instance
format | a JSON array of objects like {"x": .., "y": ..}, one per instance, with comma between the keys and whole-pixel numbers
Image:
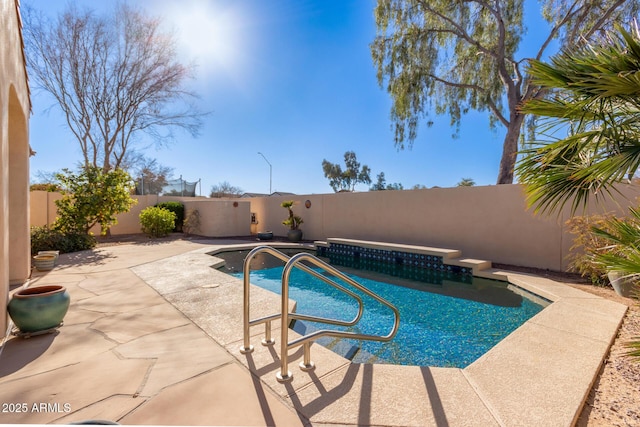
[{"x": 293, "y": 222}]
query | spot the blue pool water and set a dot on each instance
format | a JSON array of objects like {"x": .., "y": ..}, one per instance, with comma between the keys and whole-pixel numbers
[{"x": 448, "y": 324}]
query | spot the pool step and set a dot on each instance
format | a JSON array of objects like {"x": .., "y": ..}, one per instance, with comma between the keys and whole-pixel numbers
[{"x": 337, "y": 345}]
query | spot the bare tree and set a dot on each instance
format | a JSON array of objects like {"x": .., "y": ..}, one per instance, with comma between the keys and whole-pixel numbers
[
  {"x": 150, "y": 176},
  {"x": 114, "y": 77},
  {"x": 223, "y": 190}
]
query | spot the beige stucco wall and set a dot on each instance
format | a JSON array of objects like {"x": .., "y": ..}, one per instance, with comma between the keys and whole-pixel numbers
[
  {"x": 486, "y": 222},
  {"x": 218, "y": 218},
  {"x": 14, "y": 158}
]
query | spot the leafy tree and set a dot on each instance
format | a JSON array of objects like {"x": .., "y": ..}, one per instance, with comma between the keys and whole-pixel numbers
[
  {"x": 381, "y": 184},
  {"x": 151, "y": 177},
  {"x": 224, "y": 189},
  {"x": 466, "y": 182},
  {"x": 451, "y": 57},
  {"x": 595, "y": 102},
  {"x": 92, "y": 197},
  {"x": 419, "y": 187},
  {"x": 113, "y": 77},
  {"x": 346, "y": 180}
]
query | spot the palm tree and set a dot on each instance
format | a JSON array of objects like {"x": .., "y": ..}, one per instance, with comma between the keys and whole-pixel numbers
[
  {"x": 466, "y": 182},
  {"x": 594, "y": 99}
]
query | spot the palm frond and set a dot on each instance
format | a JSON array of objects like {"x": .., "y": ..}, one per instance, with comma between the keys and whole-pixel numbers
[{"x": 595, "y": 101}]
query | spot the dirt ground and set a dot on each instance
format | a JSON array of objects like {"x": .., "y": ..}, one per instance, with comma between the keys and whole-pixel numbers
[{"x": 614, "y": 399}]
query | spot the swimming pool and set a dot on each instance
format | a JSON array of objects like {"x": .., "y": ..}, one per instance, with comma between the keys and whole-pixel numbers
[{"x": 445, "y": 320}]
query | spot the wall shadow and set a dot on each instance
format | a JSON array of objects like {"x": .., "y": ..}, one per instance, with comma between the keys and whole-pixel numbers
[{"x": 19, "y": 352}]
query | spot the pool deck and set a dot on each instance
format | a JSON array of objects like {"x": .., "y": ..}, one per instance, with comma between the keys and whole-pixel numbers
[{"x": 153, "y": 336}]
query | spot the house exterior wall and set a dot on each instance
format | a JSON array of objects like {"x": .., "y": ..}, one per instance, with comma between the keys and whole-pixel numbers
[{"x": 14, "y": 157}]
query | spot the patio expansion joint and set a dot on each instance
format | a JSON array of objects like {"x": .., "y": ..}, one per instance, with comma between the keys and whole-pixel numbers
[
  {"x": 143, "y": 399},
  {"x": 36, "y": 374},
  {"x": 484, "y": 399},
  {"x": 199, "y": 374},
  {"x": 317, "y": 381},
  {"x": 105, "y": 336}
]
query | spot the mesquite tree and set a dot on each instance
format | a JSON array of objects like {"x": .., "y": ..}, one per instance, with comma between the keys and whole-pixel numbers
[
  {"x": 113, "y": 77},
  {"x": 346, "y": 180},
  {"x": 450, "y": 57}
]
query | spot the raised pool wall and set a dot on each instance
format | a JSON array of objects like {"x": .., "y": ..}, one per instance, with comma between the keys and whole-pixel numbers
[{"x": 484, "y": 222}]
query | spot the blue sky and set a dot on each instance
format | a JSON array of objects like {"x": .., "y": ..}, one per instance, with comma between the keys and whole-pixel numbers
[{"x": 294, "y": 80}]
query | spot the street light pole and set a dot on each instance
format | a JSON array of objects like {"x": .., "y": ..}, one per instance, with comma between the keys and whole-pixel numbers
[{"x": 270, "y": 170}]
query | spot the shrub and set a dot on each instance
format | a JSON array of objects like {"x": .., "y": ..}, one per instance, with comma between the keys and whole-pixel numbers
[
  {"x": 178, "y": 209},
  {"x": 157, "y": 222},
  {"x": 46, "y": 239},
  {"x": 585, "y": 244},
  {"x": 49, "y": 187},
  {"x": 192, "y": 222}
]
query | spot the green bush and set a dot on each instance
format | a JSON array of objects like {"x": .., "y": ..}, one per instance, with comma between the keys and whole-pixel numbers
[
  {"x": 45, "y": 239},
  {"x": 178, "y": 209},
  {"x": 157, "y": 222}
]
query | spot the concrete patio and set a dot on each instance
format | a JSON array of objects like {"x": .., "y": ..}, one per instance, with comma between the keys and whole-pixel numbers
[{"x": 153, "y": 333}]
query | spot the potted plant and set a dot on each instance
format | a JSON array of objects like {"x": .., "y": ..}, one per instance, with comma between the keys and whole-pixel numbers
[
  {"x": 293, "y": 222},
  {"x": 39, "y": 308},
  {"x": 621, "y": 256}
]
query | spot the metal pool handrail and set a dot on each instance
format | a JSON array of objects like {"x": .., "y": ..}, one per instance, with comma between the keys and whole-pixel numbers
[
  {"x": 247, "y": 322},
  {"x": 285, "y": 375}
]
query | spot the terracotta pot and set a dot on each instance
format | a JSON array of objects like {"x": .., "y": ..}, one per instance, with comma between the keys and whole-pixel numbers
[{"x": 39, "y": 308}]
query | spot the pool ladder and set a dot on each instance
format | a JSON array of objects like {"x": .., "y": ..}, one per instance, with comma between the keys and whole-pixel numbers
[{"x": 295, "y": 261}]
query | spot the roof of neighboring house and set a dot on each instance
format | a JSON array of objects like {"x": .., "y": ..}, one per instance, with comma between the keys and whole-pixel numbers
[
  {"x": 245, "y": 195},
  {"x": 275, "y": 193}
]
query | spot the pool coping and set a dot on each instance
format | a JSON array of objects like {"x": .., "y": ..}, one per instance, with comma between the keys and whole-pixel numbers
[{"x": 540, "y": 374}]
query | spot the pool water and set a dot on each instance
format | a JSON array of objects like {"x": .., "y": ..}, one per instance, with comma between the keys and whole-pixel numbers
[{"x": 448, "y": 323}]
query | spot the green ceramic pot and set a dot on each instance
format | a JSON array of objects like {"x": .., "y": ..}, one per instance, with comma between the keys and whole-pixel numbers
[{"x": 39, "y": 308}]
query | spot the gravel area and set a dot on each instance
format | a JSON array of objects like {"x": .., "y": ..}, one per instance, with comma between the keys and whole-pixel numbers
[{"x": 614, "y": 399}]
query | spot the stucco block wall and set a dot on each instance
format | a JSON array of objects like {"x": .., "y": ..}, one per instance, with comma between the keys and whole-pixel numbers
[
  {"x": 218, "y": 218},
  {"x": 14, "y": 157},
  {"x": 486, "y": 222}
]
